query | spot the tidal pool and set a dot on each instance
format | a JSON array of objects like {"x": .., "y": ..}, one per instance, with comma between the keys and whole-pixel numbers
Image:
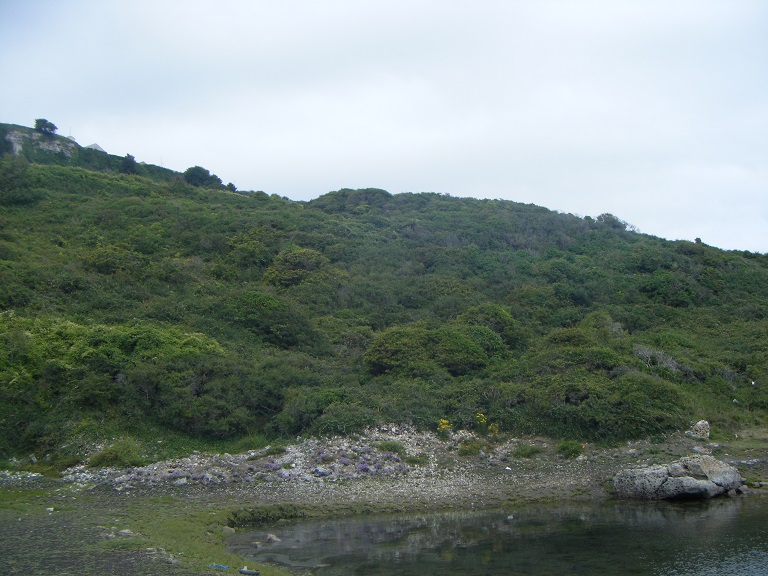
[{"x": 719, "y": 537}]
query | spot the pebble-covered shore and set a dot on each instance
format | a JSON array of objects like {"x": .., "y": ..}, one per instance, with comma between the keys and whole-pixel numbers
[{"x": 394, "y": 467}]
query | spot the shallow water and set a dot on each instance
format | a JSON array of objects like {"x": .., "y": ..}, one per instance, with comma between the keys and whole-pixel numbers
[{"x": 720, "y": 537}]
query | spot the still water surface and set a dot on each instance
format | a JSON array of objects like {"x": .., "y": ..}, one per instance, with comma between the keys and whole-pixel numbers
[{"x": 720, "y": 537}]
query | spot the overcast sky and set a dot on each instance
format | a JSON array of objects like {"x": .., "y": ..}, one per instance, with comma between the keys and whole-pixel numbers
[{"x": 654, "y": 111}]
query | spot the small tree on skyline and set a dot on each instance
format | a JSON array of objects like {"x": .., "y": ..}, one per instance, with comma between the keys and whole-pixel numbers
[
  {"x": 199, "y": 176},
  {"x": 45, "y": 126},
  {"x": 128, "y": 165}
]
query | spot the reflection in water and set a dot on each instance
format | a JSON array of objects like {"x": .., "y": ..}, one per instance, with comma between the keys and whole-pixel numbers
[{"x": 722, "y": 537}]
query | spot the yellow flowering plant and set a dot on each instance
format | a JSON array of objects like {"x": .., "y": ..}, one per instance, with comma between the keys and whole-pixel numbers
[{"x": 443, "y": 428}]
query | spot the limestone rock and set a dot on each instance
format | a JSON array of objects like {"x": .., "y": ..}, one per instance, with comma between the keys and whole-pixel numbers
[
  {"x": 640, "y": 483},
  {"x": 692, "y": 477},
  {"x": 700, "y": 430}
]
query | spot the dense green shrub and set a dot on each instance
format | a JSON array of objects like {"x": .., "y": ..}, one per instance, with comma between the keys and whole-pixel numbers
[
  {"x": 276, "y": 320},
  {"x": 16, "y": 188},
  {"x": 341, "y": 418},
  {"x": 199, "y": 176},
  {"x": 404, "y": 349},
  {"x": 457, "y": 352},
  {"x": 497, "y": 319},
  {"x": 419, "y": 351},
  {"x": 294, "y": 266}
]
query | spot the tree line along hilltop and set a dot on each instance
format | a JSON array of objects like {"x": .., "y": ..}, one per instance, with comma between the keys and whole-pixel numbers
[{"x": 136, "y": 304}]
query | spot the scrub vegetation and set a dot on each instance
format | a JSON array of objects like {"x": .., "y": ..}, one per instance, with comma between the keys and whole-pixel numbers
[{"x": 137, "y": 306}]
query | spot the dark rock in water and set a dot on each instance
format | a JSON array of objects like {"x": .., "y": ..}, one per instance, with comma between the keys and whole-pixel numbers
[{"x": 690, "y": 478}]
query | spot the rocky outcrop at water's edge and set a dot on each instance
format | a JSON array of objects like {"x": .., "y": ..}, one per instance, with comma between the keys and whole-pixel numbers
[{"x": 690, "y": 478}]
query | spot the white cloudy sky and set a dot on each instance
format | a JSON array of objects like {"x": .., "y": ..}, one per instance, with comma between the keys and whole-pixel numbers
[{"x": 653, "y": 110}]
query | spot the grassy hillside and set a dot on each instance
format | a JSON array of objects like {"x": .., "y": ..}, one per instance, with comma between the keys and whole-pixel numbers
[
  {"x": 48, "y": 148},
  {"x": 139, "y": 305}
]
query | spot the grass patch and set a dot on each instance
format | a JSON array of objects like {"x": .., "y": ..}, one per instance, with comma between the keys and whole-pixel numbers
[
  {"x": 192, "y": 535},
  {"x": 269, "y": 513},
  {"x": 470, "y": 447},
  {"x": 124, "y": 543},
  {"x": 124, "y": 452},
  {"x": 392, "y": 446},
  {"x": 398, "y": 448},
  {"x": 569, "y": 448},
  {"x": 658, "y": 439},
  {"x": 249, "y": 442},
  {"x": 50, "y": 470},
  {"x": 417, "y": 460},
  {"x": 190, "y": 531},
  {"x": 527, "y": 451},
  {"x": 273, "y": 450},
  {"x": 19, "y": 499}
]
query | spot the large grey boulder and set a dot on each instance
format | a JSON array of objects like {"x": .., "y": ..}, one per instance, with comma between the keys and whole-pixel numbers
[{"x": 692, "y": 477}]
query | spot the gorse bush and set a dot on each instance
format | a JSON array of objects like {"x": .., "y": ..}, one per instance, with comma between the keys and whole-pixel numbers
[{"x": 198, "y": 311}]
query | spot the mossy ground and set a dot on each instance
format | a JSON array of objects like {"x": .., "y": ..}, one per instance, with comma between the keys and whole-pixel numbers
[{"x": 167, "y": 535}]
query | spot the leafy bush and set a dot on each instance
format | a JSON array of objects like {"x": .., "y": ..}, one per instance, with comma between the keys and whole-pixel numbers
[
  {"x": 418, "y": 351},
  {"x": 16, "y": 188},
  {"x": 292, "y": 267},
  {"x": 457, "y": 353},
  {"x": 199, "y": 176},
  {"x": 497, "y": 319},
  {"x": 279, "y": 322},
  {"x": 342, "y": 419},
  {"x": 401, "y": 349},
  {"x": 110, "y": 259}
]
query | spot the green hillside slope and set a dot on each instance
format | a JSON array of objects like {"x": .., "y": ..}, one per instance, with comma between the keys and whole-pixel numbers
[
  {"x": 133, "y": 302},
  {"x": 49, "y": 148}
]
